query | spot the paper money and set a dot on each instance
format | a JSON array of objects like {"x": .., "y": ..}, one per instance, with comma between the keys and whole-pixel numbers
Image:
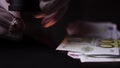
[
  {"x": 84, "y": 58},
  {"x": 102, "y": 44},
  {"x": 87, "y": 58},
  {"x": 91, "y": 46},
  {"x": 105, "y": 41}
]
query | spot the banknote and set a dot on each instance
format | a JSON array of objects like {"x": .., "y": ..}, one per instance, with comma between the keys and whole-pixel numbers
[
  {"x": 92, "y": 58},
  {"x": 93, "y": 46},
  {"x": 84, "y": 58},
  {"x": 102, "y": 40}
]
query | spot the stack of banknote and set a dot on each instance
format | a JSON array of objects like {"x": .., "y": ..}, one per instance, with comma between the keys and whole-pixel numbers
[{"x": 101, "y": 44}]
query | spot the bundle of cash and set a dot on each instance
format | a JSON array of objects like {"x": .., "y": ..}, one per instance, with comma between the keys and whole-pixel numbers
[{"x": 100, "y": 45}]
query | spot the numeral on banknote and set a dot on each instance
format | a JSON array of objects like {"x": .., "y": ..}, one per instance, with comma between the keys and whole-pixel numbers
[{"x": 109, "y": 43}]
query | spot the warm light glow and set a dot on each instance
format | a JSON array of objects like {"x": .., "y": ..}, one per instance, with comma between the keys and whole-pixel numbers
[
  {"x": 41, "y": 15},
  {"x": 50, "y": 23}
]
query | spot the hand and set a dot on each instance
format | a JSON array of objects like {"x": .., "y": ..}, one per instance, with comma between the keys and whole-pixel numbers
[
  {"x": 53, "y": 10},
  {"x": 51, "y": 19}
]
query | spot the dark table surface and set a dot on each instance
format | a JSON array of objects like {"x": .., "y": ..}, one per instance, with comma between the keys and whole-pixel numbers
[{"x": 28, "y": 53}]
